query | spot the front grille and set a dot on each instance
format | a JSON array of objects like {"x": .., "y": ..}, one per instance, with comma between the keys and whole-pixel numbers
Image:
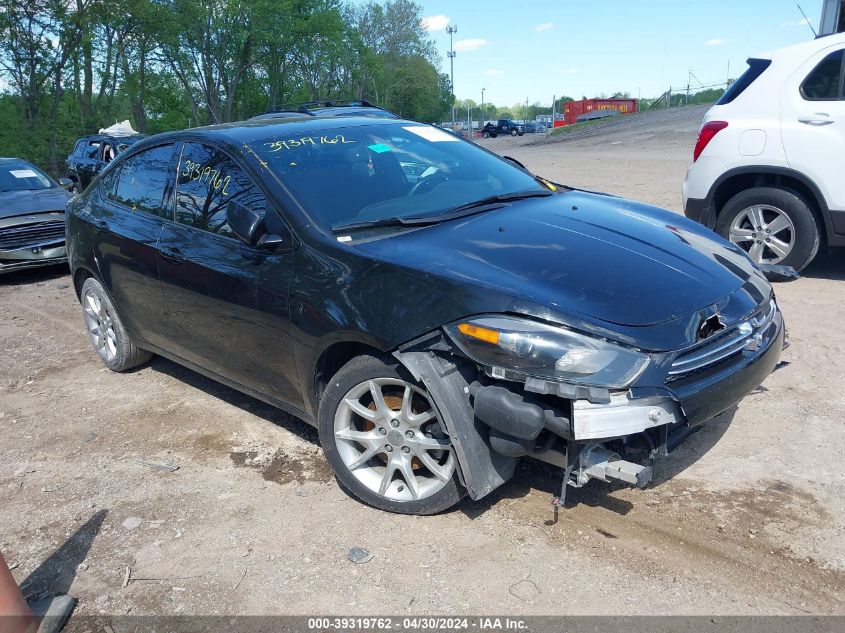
[
  {"x": 749, "y": 334},
  {"x": 32, "y": 234}
]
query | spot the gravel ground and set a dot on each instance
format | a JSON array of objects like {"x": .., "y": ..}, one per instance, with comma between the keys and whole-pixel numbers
[{"x": 748, "y": 517}]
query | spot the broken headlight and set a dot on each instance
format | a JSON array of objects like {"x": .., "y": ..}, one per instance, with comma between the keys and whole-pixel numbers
[{"x": 508, "y": 345}]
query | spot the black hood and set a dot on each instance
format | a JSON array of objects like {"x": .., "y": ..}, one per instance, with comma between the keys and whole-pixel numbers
[
  {"x": 14, "y": 203},
  {"x": 585, "y": 255}
]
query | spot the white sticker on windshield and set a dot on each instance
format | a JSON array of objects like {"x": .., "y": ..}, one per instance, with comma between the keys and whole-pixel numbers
[
  {"x": 431, "y": 133},
  {"x": 23, "y": 173}
]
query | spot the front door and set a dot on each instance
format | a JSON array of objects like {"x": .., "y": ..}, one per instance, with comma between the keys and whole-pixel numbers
[
  {"x": 226, "y": 302},
  {"x": 813, "y": 126}
]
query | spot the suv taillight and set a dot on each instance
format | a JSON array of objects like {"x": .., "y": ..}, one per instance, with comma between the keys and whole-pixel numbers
[{"x": 708, "y": 131}]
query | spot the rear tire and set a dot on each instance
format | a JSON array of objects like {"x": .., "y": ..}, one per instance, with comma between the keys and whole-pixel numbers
[
  {"x": 771, "y": 224},
  {"x": 485, "y": 135},
  {"x": 382, "y": 437},
  {"x": 514, "y": 132},
  {"x": 106, "y": 331}
]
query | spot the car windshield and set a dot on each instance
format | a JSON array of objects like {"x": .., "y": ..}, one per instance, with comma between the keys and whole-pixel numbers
[
  {"x": 373, "y": 173},
  {"x": 21, "y": 176}
]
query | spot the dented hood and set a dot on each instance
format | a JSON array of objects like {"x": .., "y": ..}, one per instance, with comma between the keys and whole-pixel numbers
[{"x": 584, "y": 254}]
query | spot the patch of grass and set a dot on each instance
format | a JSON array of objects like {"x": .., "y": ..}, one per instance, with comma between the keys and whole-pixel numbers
[{"x": 568, "y": 129}]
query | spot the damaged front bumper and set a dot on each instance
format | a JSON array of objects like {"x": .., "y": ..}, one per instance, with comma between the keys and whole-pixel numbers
[{"x": 495, "y": 423}]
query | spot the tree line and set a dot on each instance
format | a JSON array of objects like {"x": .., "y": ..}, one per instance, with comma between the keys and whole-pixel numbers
[{"x": 70, "y": 67}]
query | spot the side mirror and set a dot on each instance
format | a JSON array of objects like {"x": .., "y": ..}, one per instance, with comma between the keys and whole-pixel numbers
[
  {"x": 66, "y": 183},
  {"x": 246, "y": 223}
]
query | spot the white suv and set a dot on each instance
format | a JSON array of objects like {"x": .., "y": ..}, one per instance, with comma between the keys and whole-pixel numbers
[{"x": 769, "y": 165}]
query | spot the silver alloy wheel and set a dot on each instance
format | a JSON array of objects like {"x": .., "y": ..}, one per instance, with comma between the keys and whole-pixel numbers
[
  {"x": 100, "y": 325},
  {"x": 764, "y": 232},
  {"x": 389, "y": 437}
]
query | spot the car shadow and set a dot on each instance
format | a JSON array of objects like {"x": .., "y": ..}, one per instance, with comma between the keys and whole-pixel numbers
[
  {"x": 828, "y": 264},
  {"x": 34, "y": 275},
  {"x": 55, "y": 575},
  {"x": 532, "y": 475},
  {"x": 235, "y": 398}
]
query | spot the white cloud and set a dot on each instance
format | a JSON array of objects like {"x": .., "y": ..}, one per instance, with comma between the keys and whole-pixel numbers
[
  {"x": 494, "y": 71},
  {"x": 435, "y": 22},
  {"x": 716, "y": 41},
  {"x": 469, "y": 45},
  {"x": 545, "y": 26},
  {"x": 789, "y": 23}
]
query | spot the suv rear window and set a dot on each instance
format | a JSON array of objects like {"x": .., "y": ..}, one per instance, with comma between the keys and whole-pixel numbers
[
  {"x": 825, "y": 82},
  {"x": 755, "y": 69}
]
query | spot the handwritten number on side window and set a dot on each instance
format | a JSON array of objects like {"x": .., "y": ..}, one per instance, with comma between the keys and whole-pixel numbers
[
  {"x": 204, "y": 173},
  {"x": 293, "y": 143}
]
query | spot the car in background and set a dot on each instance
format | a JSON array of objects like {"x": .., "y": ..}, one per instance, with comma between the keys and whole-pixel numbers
[
  {"x": 32, "y": 216},
  {"x": 534, "y": 127},
  {"x": 436, "y": 310},
  {"x": 502, "y": 126},
  {"x": 326, "y": 108},
  {"x": 92, "y": 153},
  {"x": 767, "y": 171}
]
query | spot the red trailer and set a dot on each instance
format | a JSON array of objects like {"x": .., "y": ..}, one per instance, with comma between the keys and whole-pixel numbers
[{"x": 573, "y": 109}]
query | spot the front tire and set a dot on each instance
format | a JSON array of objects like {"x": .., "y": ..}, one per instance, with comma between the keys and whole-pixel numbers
[
  {"x": 485, "y": 134},
  {"x": 383, "y": 438},
  {"x": 106, "y": 331},
  {"x": 514, "y": 132},
  {"x": 772, "y": 225}
]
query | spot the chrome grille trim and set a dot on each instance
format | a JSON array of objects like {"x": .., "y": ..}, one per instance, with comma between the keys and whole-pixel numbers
[
  {"x": 725, "y": 344},
  {"x": 32, "y": 234}
]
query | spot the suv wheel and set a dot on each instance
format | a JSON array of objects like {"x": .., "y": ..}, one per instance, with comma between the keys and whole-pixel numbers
[
  {"x": 108, "y": 336},
  {"x": 384, "y": 440},
  {"x": 772, "y": 225},
  {"x": 485, "y": 134},
  {"x": 514, "y": 132},
  {"x": 76, "y": 188}
]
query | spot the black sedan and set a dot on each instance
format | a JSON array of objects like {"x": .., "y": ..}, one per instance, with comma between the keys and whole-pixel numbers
[
  {"x": 32, "y": 216},
  {"x": 436, "y": 311}
]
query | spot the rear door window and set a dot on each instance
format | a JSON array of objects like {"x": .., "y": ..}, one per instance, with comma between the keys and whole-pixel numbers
[
  {"x": 824, "y": 83},
  {"x": 207, "y": 180},
  {"x": 143, "y": 178}
]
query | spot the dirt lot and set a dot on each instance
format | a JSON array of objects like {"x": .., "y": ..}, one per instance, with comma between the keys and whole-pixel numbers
[{"x": 747, "y": 517}]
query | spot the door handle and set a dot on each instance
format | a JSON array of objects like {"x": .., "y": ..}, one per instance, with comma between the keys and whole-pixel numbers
[
  {"x": 174, "y": 255},
  {"x": 817, "y": 119}
]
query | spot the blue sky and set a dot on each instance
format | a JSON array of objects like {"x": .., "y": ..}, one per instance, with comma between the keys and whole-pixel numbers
[{"x": 539, "y": 48}]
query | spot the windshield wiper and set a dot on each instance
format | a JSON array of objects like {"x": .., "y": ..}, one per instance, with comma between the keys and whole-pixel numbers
[
  {"x": 456, "y": 212},
  {"x": 392, "y": 221},
  {"x": 501, "y": 198}
]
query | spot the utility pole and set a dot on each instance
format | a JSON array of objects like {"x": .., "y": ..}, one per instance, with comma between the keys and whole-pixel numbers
[
  {"x": 481, "y": 118},
  {"x": 451, "y": 30}
]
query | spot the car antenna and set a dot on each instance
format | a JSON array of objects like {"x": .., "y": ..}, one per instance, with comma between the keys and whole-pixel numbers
[{"x": 807, "y": 20}]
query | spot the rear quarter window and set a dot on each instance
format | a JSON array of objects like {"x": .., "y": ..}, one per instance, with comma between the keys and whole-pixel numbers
[{"x": 756, "y": 67}]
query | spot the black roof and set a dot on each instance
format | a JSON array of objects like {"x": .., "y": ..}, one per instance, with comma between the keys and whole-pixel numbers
[
  {"x": 248, "y": 131},
  {"x": 326, "y": 108}
]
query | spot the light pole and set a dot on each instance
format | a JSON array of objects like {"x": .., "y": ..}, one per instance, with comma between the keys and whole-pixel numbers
[
  {"x": 451, "y": 30},
  {"x": 481, "y": 120}
]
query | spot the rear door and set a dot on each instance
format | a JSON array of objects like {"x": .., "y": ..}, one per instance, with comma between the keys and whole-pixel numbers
[
  {"x": 813, "y": 126},
  {"x": 226, "y": 302},
  {"x": 129, "y": 217}
]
